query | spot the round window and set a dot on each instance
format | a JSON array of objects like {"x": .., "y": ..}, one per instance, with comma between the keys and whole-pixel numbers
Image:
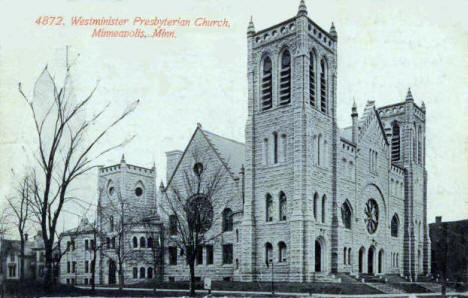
[
  {"x": 138, "y": 191},
  {"x": 111, "y": 190},
  {"x": 371, "y": 216}
]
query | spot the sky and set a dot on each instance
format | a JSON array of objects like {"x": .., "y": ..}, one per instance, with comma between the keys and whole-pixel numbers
[{"x": 384, "y": 47}]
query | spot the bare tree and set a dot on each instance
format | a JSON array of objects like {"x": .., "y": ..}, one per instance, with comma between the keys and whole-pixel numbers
[
  {"x": 4, "y": 228},
  {"x": 66, "y": 147},
  {"x": 120, "y": 221},
  {"x": 20, "y": 216},
  {"x": 192, "y": 205}
]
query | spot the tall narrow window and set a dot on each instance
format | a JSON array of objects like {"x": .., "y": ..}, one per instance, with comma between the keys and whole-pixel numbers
[
  {"x": 227, "y": 220},
  {"x": 142, "y": 242},
  {"x": 111, "y": 223},
  {"x": 395, "y": 141},
  {"x": 267, "y": 84},
  {"x": 394, "y": 226},
  {"x": 275, "y": 148},
  {"x": 227, "y": 253},
  {"x": 268, "y": 253},
  {"x": 135, "y": 242},
  {"x": 345, "y": 250},
  {"x": 324, "y": 200},
  {"x": 312, "y": 78},
  {"x": 319, "y": 145},
  {"x": 349, "y": 256},
  {"x": 269, "y": 207},
  {"x": 209, "y": 254},
  {"x": 199, "y": 255},
  {"x": 419, "y": 145},
  {"x": 266, "y": 152},
  {"x": 285, "y": 78},
  {"x": 282, "y": 252},
  {"x": 316, "y": 198},
  {"x": 172, "y": 255},
  {"x": 282, "y": 206},
  {"x": 346, "y": 215},
  {"x": 323, "y": 86},
  {"x": 173, "y": 225},
  {"x": 283, "y": 148}
]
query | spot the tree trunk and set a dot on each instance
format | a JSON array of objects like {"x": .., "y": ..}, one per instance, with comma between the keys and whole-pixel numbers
[
  {"x": 22, "y": 262},
  {"x": 121, "y": 277},
  {"x": 192, "y": 278},
  {"x": 93, "y": 272}
]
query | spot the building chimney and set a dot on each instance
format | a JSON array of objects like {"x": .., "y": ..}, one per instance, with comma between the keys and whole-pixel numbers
[
  {"x": 438, "y": 219},
  {"x": 172, "y": 158}
]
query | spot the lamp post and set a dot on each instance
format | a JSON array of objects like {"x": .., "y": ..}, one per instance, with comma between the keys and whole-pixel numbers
[{"x": 268, "y": 262}]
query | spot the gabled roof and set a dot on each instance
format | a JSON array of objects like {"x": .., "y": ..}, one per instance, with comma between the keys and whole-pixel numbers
[
  {"x": 231, "y": 153},
  {"x": 365, "y": 121}
]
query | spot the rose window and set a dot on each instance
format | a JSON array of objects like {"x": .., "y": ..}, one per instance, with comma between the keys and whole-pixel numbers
[{"x": 371, "y": 212}]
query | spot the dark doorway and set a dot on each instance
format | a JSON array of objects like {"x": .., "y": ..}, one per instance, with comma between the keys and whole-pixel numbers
[
  {"x": 361, "y": 258},
  {"x": 318, "y": 256},
  {"x": 112, "y": 270},
  {"x": 370, "y": 260}
]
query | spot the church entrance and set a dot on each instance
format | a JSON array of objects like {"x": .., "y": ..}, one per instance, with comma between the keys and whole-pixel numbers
[
  {"x": 381, "y": 259},
  {"x": 318, "y": 256},
  {"x": 112, "y": 270},
  {"x": 370, "y": 260},
  {"x": 361, "y": 259}
]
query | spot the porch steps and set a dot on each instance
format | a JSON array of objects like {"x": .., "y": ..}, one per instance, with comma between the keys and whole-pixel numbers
[{"x": 384, "y": 288}]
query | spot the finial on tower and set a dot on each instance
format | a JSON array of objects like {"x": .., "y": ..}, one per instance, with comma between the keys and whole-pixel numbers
[
  {"x": 423, "y": 107},
  {"x": 302, "y": 9},
  {"x": 122, "y": 160},
  {"x": 354, "y": 109},
  {"x": 333, "y": 32},
  {"x": 161, "y": 186},
  {"x": 409, "y": 96},
  {"x": 251, "y": 27}
]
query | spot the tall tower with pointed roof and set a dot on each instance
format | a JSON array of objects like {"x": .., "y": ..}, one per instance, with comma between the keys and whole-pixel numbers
[{"x": 292, "y": 69}]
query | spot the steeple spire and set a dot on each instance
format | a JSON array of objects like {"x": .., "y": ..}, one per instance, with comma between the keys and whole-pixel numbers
[
  {"x": 251, "y": 28},
  {"x": 122, "y": 160},
  {"x": 409, "y": 96},
  {"x": 333, "y": 32},
  {"x": 302, "y": 9}
]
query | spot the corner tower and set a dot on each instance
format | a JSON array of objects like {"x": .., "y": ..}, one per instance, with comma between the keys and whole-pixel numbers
[{"x": 290, "y": 146}]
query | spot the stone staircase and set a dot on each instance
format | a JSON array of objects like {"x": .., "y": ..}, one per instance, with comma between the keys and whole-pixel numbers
[{"x": 384, "y": 288}]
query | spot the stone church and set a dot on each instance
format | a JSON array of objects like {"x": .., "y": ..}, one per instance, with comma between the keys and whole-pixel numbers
[{"x": 303, "y": 199}]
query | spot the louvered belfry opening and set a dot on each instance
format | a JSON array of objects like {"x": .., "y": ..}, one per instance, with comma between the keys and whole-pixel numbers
[
  {"x": 267, "y": 84},
  {"x": 323, "y": 87},
  {"x": 312, "y": 79},
  {"x": 395, "y": 142},
  {"x": 285, "y": 79}
]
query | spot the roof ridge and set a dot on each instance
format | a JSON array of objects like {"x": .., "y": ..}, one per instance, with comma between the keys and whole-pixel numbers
[{"x": 226, "y": 138}]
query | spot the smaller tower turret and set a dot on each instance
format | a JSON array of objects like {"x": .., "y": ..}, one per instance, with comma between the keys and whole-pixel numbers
[
  {"x": 251, "y": 28},
  {"x": 333, "y": 33},
  {"x": 354, "y": 116},
  {"x": 409, "y": 96},
  {"x": 302, "y": 9}
]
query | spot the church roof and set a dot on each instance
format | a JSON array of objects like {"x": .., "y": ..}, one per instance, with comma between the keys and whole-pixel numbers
[{"x": 231, "y": 152}]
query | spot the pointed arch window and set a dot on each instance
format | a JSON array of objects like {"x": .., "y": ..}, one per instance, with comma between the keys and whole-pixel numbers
[
  {"x": 282, "y": 206},
  {"x": 323, "y": 86},
  {"x": 227, "y": 220},
  {"x": 312, "y": 78},
  {"x": 275, "y": 148},
  {"x": 111, "y": 223},
  {"x": 266, "y": 151},
  {"x": 346, "y": 214},
  {"x": 285, "y": 78},
  {"x": 142, "y": 242},
  {"x": 395, "y": 141},
  {"x": 269, "y": 207},
  {"x": 319, "y": 145},
  {"x": 173, "y": 224},
  {"x": 395, "y": 225},
  {"x": 419, "y": 145},
  {"x": 267, "y": 90},
  {"x": 135, "y": 242}
]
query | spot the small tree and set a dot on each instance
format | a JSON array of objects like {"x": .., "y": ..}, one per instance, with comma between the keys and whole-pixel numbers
[
  {"x": 66, "y": 148},
  {"x": 191, "y": 206},
  {"x": 19, "y": 209},
  {"x": 118, "y": 248}
]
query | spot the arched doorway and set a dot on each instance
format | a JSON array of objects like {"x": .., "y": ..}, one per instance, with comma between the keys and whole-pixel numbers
[
  {"x": 112, "y": 270},
  {"x": 381, "y": 259},
  {"x": 361, "y": 259},
  {"x": 370, "y": 260},
  {"x": 318, "y": 256}
]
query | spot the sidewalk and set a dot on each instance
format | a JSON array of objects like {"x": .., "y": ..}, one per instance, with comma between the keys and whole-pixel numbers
[{"x": 456, "y": 294}]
